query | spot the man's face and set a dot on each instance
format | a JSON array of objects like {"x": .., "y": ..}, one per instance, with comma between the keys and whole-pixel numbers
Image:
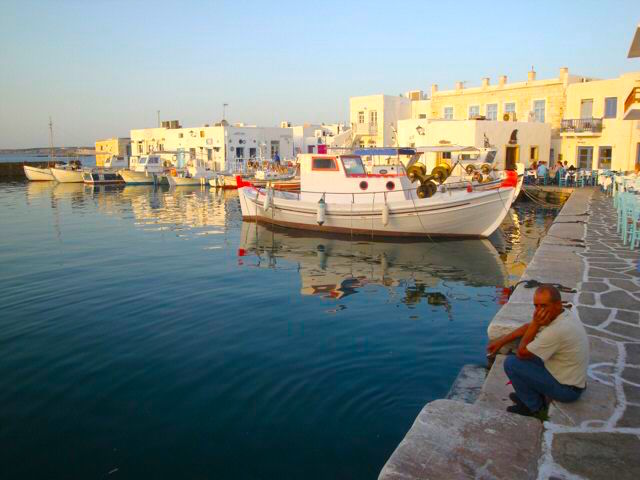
[{"x": 542, "y": 302}]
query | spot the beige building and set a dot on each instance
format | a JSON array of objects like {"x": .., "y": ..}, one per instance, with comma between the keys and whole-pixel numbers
[
  {"x": 105, "y": 149},
  {"x": 561, "y": 103},
  {"x": 594, "y": 132}
]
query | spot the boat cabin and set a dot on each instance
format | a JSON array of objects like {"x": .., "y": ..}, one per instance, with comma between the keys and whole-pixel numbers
[
  {"x": 150, "y": 163},
  {"x": 343, "y": 178}
]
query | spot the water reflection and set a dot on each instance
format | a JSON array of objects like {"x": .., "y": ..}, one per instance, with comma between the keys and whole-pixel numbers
[{"x": 335, "y": 267}]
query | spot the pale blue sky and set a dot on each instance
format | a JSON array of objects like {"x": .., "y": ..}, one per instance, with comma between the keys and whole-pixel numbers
[{"x": 100, "y": 68}]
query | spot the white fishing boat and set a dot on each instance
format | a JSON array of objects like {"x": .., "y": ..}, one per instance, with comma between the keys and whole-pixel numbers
[
  {"x": 71, "y": 173},
  {"x": 148, "y": 170},
  {"x": 338, "y": 195},
  {"x": 35, "y": 174}
]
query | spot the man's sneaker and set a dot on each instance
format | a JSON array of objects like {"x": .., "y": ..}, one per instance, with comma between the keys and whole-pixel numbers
[
  {"x": 515, "y": 399},
  {"x": 521, "y": 409}
]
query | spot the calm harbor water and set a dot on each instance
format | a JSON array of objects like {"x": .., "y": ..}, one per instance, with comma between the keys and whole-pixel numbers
[{"x": 149, "y": 333}]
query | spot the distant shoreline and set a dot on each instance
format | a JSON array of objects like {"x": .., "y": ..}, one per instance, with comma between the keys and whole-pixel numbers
[{"x": 44, "y": 151}]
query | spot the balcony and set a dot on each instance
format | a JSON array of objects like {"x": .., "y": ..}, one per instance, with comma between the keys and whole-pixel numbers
[
  {"x": 366, "y": 129},
  {"x": 632, "y": 105},
  {"x": 584, "y": 127}
]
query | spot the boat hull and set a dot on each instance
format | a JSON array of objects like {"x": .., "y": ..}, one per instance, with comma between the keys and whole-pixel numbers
[
  {"x": 187, "y": 181},
  {"x": 455, "y": 214},
  {"x": 67, "y": 176},
  {"x": 140, "y": 178},
  {"x": 35, "y": 174},
  {"x": 102, "y": 178}
]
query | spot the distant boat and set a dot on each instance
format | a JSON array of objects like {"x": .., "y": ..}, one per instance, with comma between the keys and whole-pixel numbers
[
  {"x": 148, "y": 170},
  {"x": 194, "y": 176},
  {"x": 36, "y": 174}
]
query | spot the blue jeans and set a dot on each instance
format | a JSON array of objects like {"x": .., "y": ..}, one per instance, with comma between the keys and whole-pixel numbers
[{"x": 532, "y": 382}]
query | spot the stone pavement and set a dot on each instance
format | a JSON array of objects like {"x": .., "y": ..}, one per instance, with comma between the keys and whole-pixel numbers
[{"x": 597, "y": 437}]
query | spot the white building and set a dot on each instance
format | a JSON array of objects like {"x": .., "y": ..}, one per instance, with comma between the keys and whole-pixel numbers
[
  {"x": 218, "y": 146},
  {"x": 374, "y": 119},
  {"x": 308, "y": 138}
]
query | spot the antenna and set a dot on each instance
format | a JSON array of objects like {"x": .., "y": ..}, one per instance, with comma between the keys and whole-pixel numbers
[{"x": 50, "y": 140}]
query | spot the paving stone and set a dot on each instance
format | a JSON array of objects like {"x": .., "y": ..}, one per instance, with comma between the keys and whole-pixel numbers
[
  {"x": 594, "y": 287},
  {"x": 627, "y": 285},
  {"x": 593, "y": 316},
  {"x": 633, "y": 375},
  {"x": 602, "y": 273},
  {"x": 598, "y": 402},
  {"x": 624, "y": 329},
  {"x": 628, "y": 316},
  {"x": 598, "y": 455},
  {"x": 587, "y": 298},
  {"x": 630, "y": 418},
  {"x": 634, "y": 272},
  {"x": 620, "y": 299},
  {"x": 607, "y": 265},
  {"x": 468, "y": 384},
  {"x": 495, "y": 391},
  {"x": 452, "y": 439},
  {"x": 633, "y": 354}
]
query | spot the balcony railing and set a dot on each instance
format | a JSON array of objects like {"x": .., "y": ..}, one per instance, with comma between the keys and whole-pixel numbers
[
  {"x": 634, "y": 97},
  {"x": 366, "y": 128},
  {"x": 582, "y": 125}
]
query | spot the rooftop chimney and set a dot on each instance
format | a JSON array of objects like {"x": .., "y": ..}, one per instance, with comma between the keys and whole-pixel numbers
[
  {"x": 459, "y": 85},
  {"x": 502, "y": 80},
  {"x": 531, "y": 76},
  {"x": 434, "y": 89},
  {"x": 564, "y": 75},
  {"x": 485, "y": 82}
]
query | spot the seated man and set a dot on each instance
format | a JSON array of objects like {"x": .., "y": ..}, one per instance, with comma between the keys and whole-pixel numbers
[
  {"x": 542, "y": 171},
  {"x": 552, "y": 356}
]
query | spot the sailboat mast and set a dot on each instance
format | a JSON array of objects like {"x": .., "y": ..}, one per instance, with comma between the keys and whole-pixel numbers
[{"x": 50, "y": 140}]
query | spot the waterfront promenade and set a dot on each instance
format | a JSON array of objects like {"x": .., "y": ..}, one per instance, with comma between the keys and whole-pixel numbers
[{"x": 597, "y": 437}]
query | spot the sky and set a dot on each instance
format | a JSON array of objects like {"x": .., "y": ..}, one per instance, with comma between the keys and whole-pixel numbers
[{"x": 100, "y": 68}]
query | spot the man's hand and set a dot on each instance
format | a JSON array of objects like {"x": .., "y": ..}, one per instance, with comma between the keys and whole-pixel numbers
[
  {"x": 542, "y": 317},
  {"x": 494, "y": 347}
]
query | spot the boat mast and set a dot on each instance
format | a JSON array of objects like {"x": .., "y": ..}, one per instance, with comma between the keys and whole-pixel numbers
[{"x": 50, "y": 140}]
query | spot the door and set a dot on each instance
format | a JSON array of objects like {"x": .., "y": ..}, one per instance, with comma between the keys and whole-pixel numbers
[
  {"x": 511, "y": 158},
  {"x": 586, "y": 108},
  {"x": 585, "y": 158}
]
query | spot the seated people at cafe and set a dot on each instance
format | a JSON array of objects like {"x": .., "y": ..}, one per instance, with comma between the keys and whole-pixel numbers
[{"x": 542, "y": 170}]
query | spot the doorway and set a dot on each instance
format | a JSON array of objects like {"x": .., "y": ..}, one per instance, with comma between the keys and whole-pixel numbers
[
  {"x": 512, "y": 156},
  {"x": 585, "y": 158},
  {"x": 586, "y": 108}
]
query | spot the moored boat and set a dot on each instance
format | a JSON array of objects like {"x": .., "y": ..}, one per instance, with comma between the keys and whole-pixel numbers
[
  {"x": 148, "y": 170},
  {"x": 101, "y": 176},
  {"x": 71, "y": 173},
  {"x": 338, "y": 195},
  {"x": 35, "y": 174}
]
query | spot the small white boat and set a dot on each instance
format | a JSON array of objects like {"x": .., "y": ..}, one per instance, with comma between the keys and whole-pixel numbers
[
  {"x": 35, "y": 174},
  {"x": 148, "y": 170},
  {"x": 338, "y": 195},
  {"x": 193, "y": 176},
  {"x": 71, "y": 173}
]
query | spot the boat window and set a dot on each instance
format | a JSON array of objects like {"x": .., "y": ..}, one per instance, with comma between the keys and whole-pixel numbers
[
  {"x": 324, "y": 164},
  {"x": 353, "y": 166},
  {"x": 153, "y": 160},
  {"x": 491, "y": 155},
  {"x": 143, "y": 160}
]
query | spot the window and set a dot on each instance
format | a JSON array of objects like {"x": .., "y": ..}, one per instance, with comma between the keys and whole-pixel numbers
[
  {"x": 239, "y": 152},
  {"x": 360, "y": 117},
  {"x": 446, "y": 155},
  {"x": 180, "y": 135},
  {"x": 209, "y": 154},
  {"x": 140, "y": 148},
  {"x": 474, "y": 110},
  {"x": 538, "y": 110},
  {"x": 510, "y": 107},
  {"x": 201, "y": 133},
  {"x": 373, "y": 117},
  {"x": 275, "y": 148},
  {"x": 448, "y": 113},
  {"x": 324, "y": 164},
  {"x": 492, "y": 111},
  {"x": 586, "y": 108},
  {"x": 422, "y": 115},
  {"x": 610, "y": 107},
  {"x": 585, "y": 158},
  {"x": 604, "y": 157},
  {"x": 353, "y": 166},
  {"x": 252, "y": 152},
  {"x": 534, "y": 154}
]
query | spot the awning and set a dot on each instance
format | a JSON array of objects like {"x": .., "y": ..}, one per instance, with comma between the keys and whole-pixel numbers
[
  {"x": 446, "y": 148},
  {"x": 385, "y": 151}
]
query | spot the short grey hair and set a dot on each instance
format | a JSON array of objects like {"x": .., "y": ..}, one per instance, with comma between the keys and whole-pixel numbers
[{"x": 553, "y": 292}]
